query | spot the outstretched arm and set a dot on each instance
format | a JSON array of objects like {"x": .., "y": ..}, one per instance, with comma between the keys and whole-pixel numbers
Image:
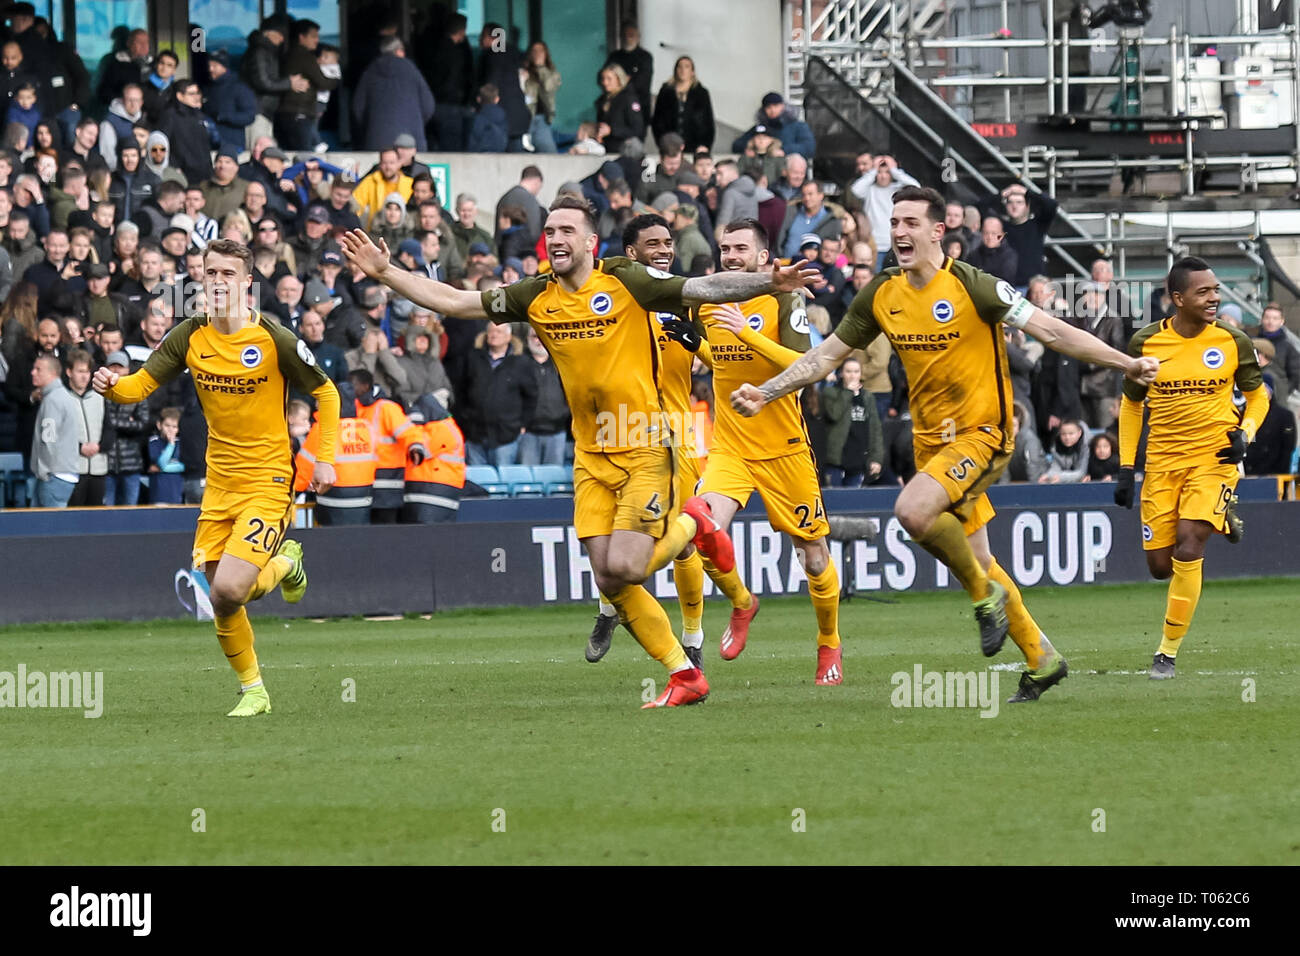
[
  {"x": 374, "y": 261},
  {"x": 1068, "y": 340},
  {"x": 812, "y": 366},
  {"x": 739, "y": 286}
]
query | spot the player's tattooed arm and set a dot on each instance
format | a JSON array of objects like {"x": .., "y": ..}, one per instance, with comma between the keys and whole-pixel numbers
[
  {"x": 739, "y": 286},
  {"x": 810, "y": 367},
  {"x": 374, "y": 260}
]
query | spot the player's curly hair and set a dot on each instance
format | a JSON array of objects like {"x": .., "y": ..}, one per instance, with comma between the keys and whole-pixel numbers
[
  {"x": 236, "y": 250},
  {"x": 639, "y": 224}
]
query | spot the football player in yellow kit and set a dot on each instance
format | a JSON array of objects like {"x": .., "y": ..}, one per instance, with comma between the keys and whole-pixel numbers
[
  {"x": 593, "y": 315},
  {"x": 243, "y": 366},
  {"x": 942, "y": 318},
  {"x": 1196, "y": 441}
]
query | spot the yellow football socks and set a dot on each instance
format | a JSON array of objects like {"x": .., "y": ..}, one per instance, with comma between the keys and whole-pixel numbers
[
  {"x": 1184, "y": 592},
  {"x": 946, "y": 540},
  {"x": 679, "y": 533},
  {"x": 645, "y": 618},
  {"x": 236, "y": 636},
  {"x": 1024, "y": 629},
  {"x": 688, "y": 576},
  {"x": 270, "y": 576},
  {"x": 824, "y": 589},
  {"x": 729, "y": 584}
]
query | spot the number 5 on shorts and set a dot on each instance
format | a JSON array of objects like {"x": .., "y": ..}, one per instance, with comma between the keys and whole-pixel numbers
[{"x": 959, "y": 471}]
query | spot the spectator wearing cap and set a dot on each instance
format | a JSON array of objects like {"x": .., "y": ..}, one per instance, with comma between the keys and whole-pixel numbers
[
  {"x": 392, "y": 224},
  {"x": 514, "y": 238},
  {"x": 410, "y": 256},
  {"x": 126, "y": 429},
  {"x": 594, "y": 186},
  {"x": 764, "y": 159},
  {"x": 795, "y": 135},
  {"x": 392, "y": 98},
  {"x": 231, "y": 102},
  {"x": 619, "y": 114},
  {"x": 101, "y": 308},
  {"x": 175, "y": 242},
  {"x": 267, "y": 168},
  {"x": 405, "y": 145},
  {"x": 524, "y": 196},
  {"x": 311, "y": 242},
  {"x": 124, "y": 66},
  {"x": 466, "y": 230},
  {"x": 223, "y": 193},
  {"x": 330, "y": 273},
  {"x": 1266, "y": 355},
  {"x": 295, "y": 116},
  {"x": 329, "y": 357},
  {"x": 812, "y": 214},
  {"x": 684, "y": 108},
  {"x": 186, "y": 126},
  {"x": 131, "y": 185},
  {"x": 345, "y": 323},
  {"x": 260, "y": 69},
  {"x": 489, "y": 131},
  {"x": 1230, "y": 312},
  {"x": 377, "y": 185}
]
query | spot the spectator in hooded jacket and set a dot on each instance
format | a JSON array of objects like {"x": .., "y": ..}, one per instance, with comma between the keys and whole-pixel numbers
[
  {"x": 392, "y": 98},
  {"x": 231, "y": 102},
  {"x": 685, "y": 108},
  {"x": 123, "y": 113},
  {"x": 796, "y": 136}
]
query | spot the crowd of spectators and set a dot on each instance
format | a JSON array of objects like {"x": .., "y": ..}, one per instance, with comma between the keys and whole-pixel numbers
[{"x": 107, "y": 203}]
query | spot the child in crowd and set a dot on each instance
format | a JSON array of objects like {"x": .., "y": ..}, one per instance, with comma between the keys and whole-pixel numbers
[
  {"x": 22, "y": 109},
  {"x": 166, "y": 471},
  {"x": 299, "y": 423}
]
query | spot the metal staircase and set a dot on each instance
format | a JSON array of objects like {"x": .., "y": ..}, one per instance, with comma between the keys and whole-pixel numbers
[{"x": 857, "y": 38}]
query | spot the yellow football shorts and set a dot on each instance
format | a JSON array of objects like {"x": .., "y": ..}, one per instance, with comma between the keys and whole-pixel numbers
[
  {"x": 966, "y": 467},
  {"x": 248, "y": 526},
  {"x": 629, "y": 490},
  {"x": 1194, "y": 494},
  {"x": 788, "y": 485}
]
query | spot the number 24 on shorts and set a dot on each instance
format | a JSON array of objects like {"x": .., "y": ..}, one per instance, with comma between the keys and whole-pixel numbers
[{"x": 803, "y": 511}]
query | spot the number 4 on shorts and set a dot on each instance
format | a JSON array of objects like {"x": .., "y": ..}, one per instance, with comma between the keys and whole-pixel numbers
[{"x": 653, "y": 506}]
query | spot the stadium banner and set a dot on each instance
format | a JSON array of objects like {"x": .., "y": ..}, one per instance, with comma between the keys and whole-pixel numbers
[
  {"x": 405, "y": 569},
  {"x": 519, "y": 563}
]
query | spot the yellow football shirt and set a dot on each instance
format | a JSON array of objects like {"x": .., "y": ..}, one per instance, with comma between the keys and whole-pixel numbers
[
  {"x": 243, "y": 383},
  {"x": 1190, "y": 404},
  {"x": 947, "y": 337},
  {"x": 778, "y": 429},
  {"x": 603, "y": 344}
]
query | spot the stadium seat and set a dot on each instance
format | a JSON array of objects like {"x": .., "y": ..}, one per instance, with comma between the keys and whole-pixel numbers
[
  {"x": 487, "y": 478},
  {"x": 557, "y": 479},
  {"x": 13, "y": 480},
  {"x": 521, "y": 481}
]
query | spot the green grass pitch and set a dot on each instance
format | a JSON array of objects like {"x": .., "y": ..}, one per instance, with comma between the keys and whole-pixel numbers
[{"x": 492, "y": 717}]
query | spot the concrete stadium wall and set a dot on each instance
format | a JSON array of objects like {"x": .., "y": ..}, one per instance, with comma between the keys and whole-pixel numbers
[{"x": 408, "y": 569}]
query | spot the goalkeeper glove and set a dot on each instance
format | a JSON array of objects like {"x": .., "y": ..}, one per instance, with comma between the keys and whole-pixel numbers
[
  {"x": 683, "y": 332},
  {"x": 1124, "y": 488},
  {"x": 1235, "y": 453}
]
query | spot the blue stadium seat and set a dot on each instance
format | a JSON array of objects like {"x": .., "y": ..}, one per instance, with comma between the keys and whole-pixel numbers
[
  {"x": 13, "y": 480},
  {"x": 521, "y": 481},
  {"x": 557, "y": 479},
  {"x": 486, "y": 476}
]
